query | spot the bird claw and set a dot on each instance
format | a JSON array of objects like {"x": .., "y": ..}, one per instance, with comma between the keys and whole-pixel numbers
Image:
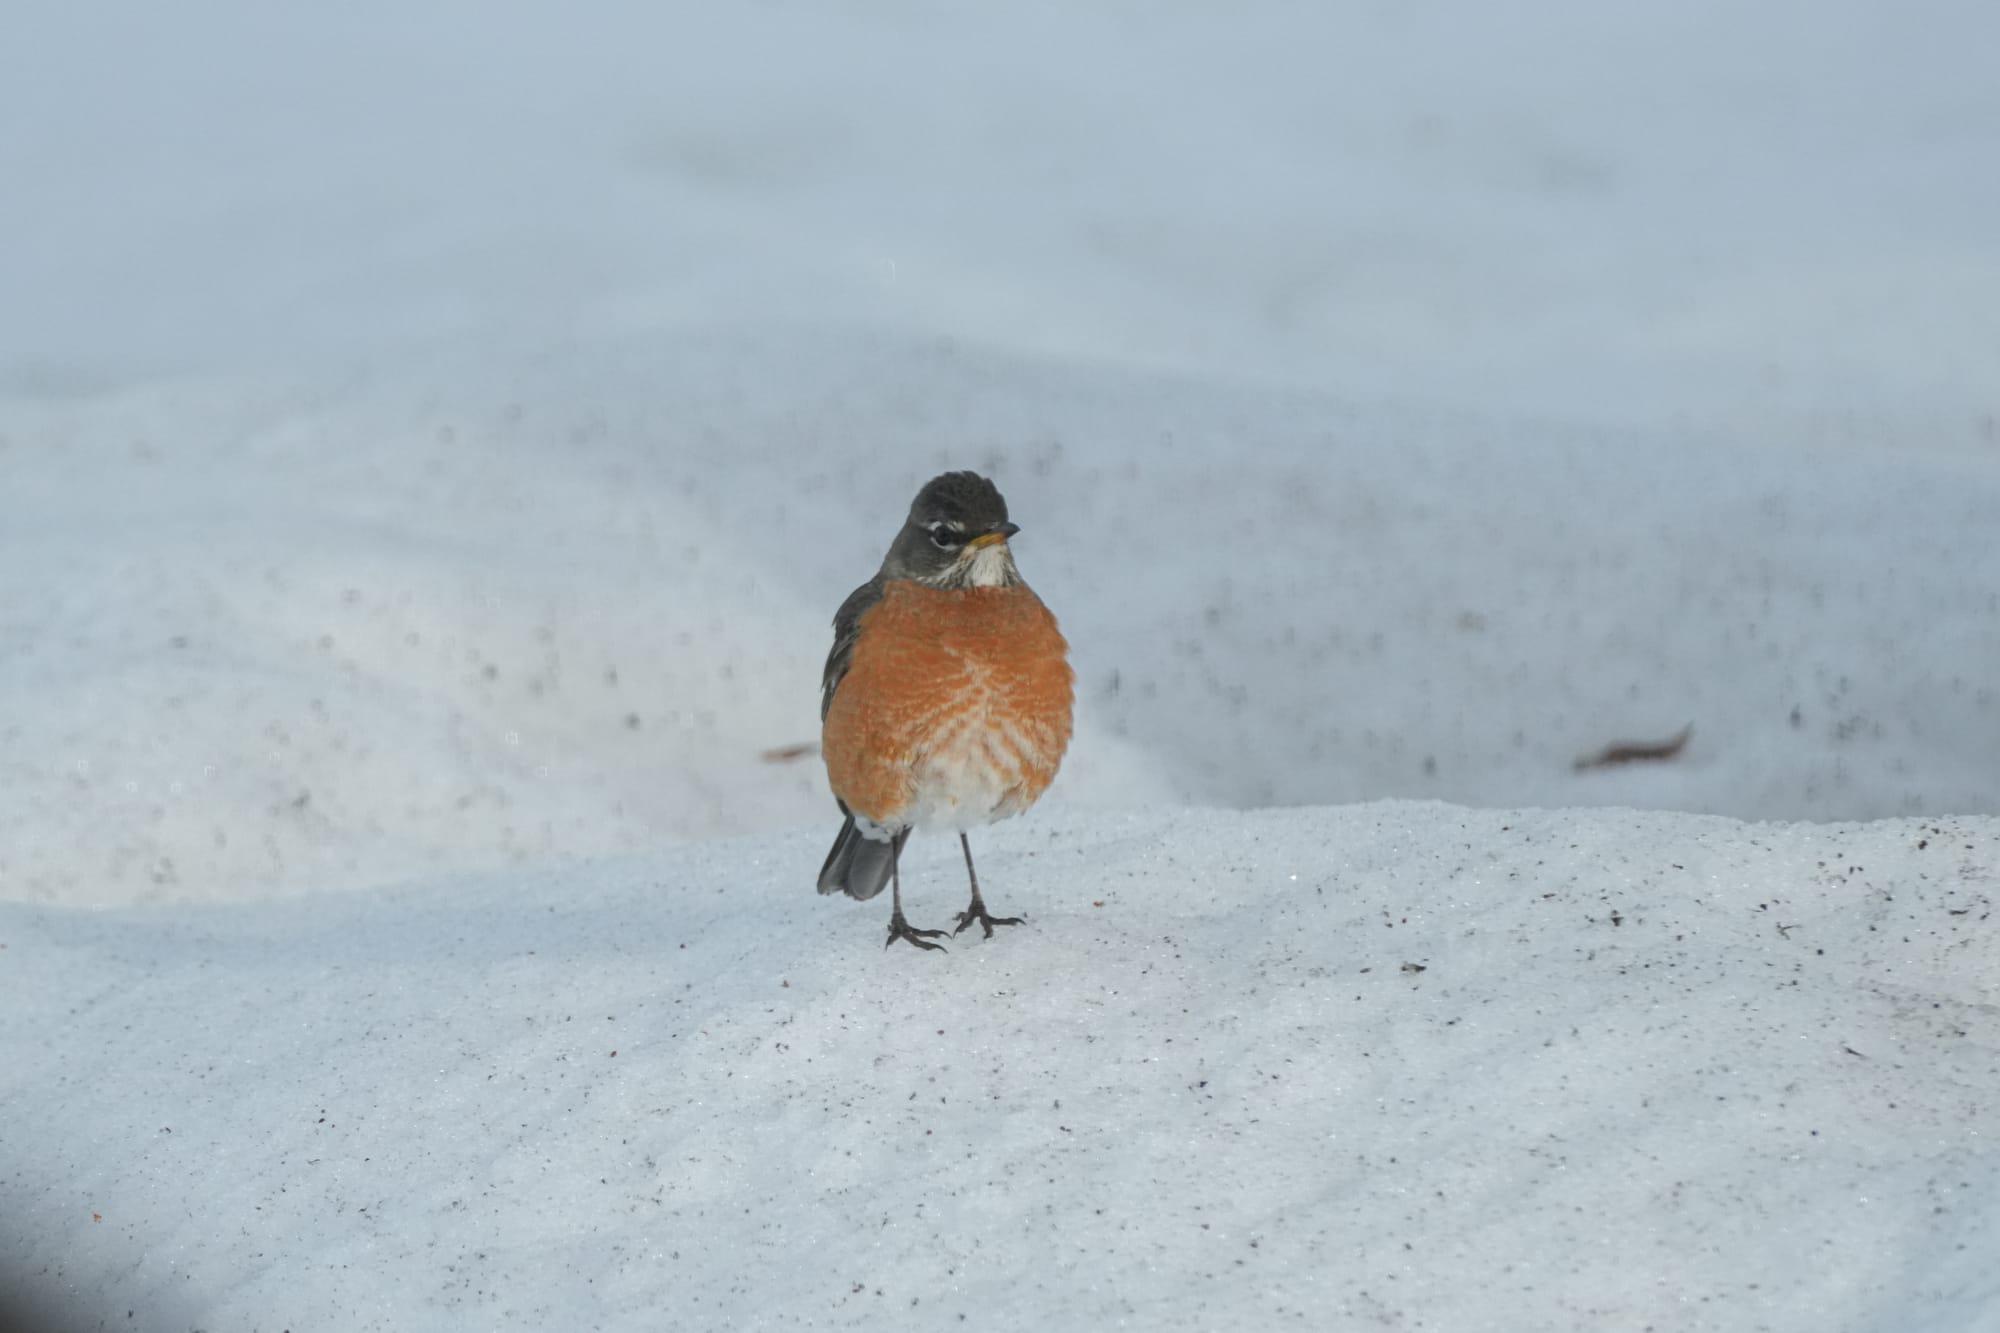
[
  {"x": 977, "y": 912},
  {"x": 900, "y": 929}
]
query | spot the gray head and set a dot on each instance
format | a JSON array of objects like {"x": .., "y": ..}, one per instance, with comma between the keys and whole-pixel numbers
[{"x": 956, "y": 536}]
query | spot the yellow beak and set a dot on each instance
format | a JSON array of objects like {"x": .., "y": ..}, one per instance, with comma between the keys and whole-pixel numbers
[{"x": 999, "y": 534}]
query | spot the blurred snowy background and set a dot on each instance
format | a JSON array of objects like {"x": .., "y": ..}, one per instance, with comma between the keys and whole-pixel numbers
[
  {"x": 434, "y": 439},
  {"x": 438, "y": 436}
]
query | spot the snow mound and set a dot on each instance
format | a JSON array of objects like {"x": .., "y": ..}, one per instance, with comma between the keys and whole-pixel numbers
[
  {"x": 477, "y": 615},
  {"x": 1403, "y": 1064}
]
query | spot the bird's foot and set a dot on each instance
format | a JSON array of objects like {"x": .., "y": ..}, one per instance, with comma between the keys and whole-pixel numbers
[
  {"x": 976, "y": 911},
  {"x": 900, "y": 929}
]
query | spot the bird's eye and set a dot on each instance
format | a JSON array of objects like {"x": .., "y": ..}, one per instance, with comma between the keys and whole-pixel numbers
[{"x": 945, "y": 539}]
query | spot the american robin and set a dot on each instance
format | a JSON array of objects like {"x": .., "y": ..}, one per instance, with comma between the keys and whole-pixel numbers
[{"x": 946, "y": 698}]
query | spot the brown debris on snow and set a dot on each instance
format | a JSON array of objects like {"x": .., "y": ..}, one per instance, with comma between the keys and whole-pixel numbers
[{"x": 1625, "y": 752}]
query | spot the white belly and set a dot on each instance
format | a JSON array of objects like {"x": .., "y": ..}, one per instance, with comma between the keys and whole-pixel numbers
[
  {"x": 971, "y": 775},
  {"x": 973, "y": 778}
]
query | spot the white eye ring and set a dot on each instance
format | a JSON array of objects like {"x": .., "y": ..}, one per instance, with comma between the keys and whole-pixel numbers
[{"x": 944, "y": 538}]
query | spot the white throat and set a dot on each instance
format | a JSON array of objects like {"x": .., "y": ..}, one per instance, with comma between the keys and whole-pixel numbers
[{"x": 990, "y": 566}]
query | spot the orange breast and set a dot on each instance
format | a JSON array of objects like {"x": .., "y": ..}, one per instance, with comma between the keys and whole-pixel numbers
[{"x": 955, "y": 706}]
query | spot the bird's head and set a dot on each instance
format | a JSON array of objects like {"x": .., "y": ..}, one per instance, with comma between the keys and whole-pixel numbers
[{"x": 956, "y": 536}]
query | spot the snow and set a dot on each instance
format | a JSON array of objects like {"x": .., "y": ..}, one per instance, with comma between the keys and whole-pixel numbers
[
  {"x": 433, "y": 443},
  {"x": 1406, "y": 1064},
  {"x": 397, "y": 629}
]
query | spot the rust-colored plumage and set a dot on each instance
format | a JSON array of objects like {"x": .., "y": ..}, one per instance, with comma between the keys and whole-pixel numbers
[
  {"x": 946, "y": 698},
  {"x": 969, "y": 684}
]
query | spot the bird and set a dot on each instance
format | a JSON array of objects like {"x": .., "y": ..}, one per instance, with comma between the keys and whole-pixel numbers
[{"x": 947, "y": 697}]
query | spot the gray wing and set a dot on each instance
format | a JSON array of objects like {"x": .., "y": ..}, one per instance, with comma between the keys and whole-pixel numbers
[{"x": 846, "y": 624}]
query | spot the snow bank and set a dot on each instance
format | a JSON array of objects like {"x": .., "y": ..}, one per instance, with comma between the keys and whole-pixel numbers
[
  {"x": 1404, "y": 1064},
  {"x": 433, "y": 440},
  {"x": 492, "y": 614}
]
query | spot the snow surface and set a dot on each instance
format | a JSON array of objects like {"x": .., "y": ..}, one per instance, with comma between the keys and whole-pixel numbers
[
  {"x": 1392, "y": 1065},
  {"x": 433, "y": 441},
  {"x": 280, "y": 641}
]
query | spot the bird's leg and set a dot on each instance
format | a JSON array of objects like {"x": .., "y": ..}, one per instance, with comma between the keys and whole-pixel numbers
[
  {"x": 900, "y": 929},
  {"x": 976, "y": 909}
]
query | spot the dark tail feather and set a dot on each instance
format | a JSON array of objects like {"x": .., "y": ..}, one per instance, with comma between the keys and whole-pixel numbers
[{"x": 859, "y": 866}]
